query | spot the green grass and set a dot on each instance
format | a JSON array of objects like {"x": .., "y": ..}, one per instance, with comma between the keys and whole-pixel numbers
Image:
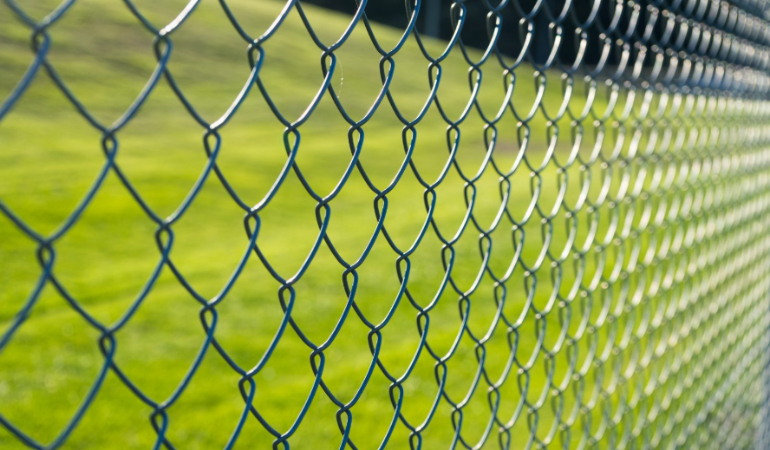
[{"x": 50, "y": 156}]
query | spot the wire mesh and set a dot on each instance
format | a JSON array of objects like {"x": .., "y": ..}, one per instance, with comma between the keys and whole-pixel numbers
[{"x": 636, "y": 251}]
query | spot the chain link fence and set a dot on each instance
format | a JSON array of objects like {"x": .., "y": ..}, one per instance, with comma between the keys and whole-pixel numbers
[{"x": 617, "y": 290}]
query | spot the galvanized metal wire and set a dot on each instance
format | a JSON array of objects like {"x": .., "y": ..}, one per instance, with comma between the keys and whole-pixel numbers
[{"x": 664, "y": 333}]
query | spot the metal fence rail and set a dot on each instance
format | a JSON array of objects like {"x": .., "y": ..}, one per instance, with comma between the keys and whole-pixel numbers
[{"x": 663, "y": 324}]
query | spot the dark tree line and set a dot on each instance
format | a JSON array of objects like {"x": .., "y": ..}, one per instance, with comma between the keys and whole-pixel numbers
[{"x": 436, "y": 20}]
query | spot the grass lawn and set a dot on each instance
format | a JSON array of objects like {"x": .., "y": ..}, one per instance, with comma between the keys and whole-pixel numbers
[{"x": 51, "y": 156}]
